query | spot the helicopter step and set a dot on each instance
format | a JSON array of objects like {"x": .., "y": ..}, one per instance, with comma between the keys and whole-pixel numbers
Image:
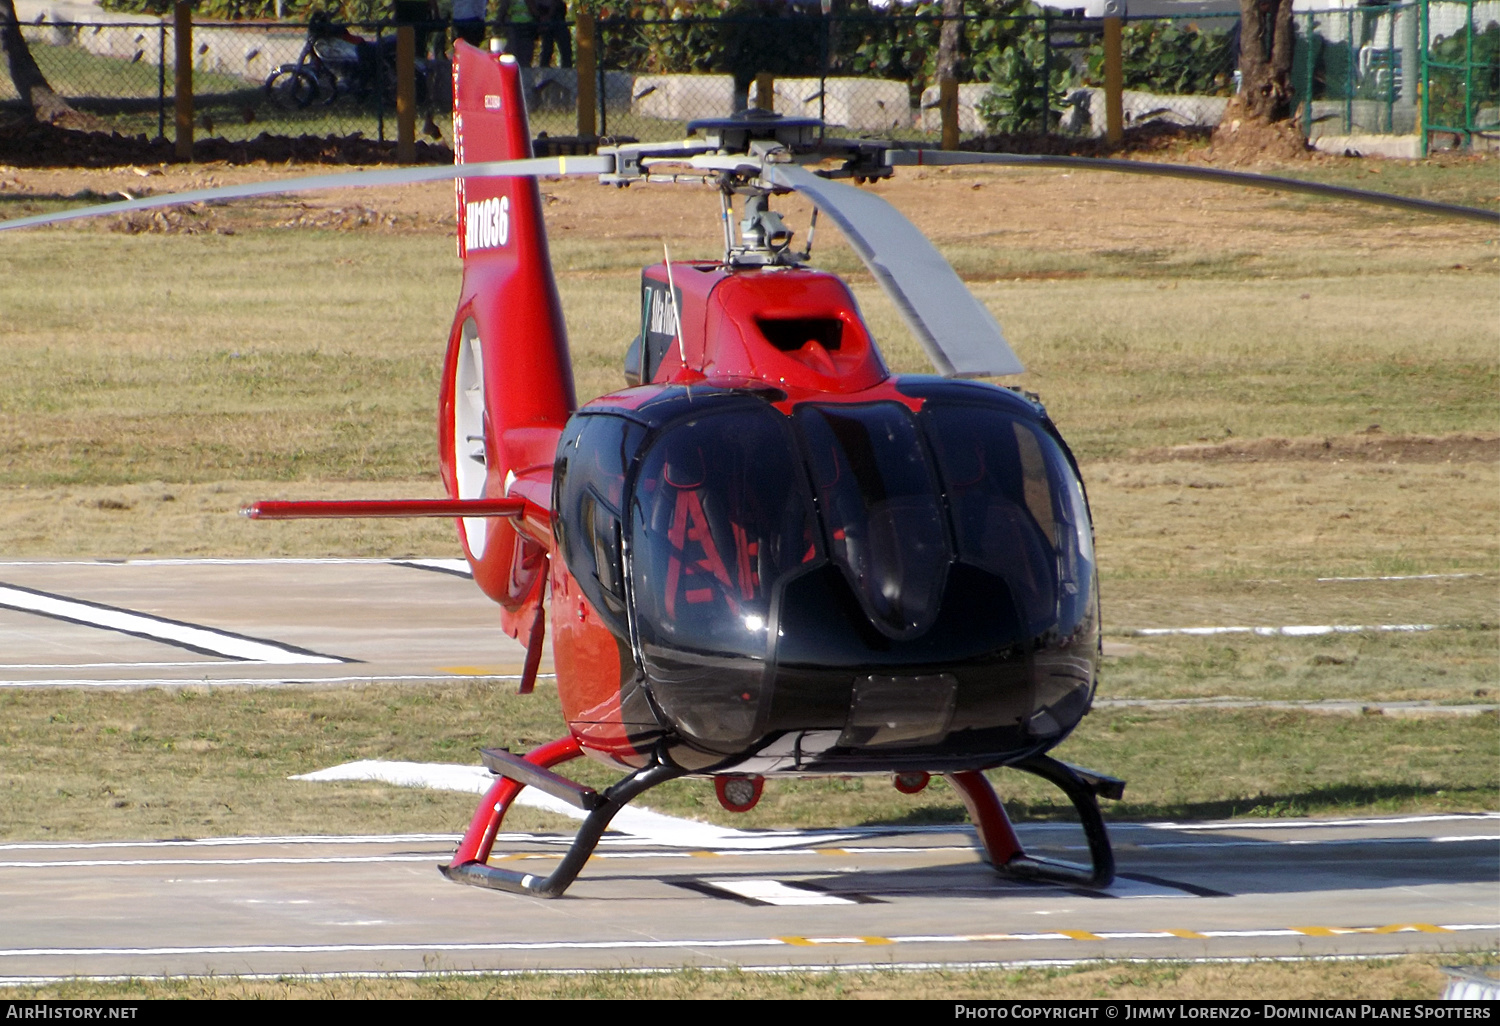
[{"x": 502, "y": 763}]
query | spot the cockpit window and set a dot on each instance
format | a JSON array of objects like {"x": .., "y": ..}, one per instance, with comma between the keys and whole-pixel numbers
[
  {"x": 1018, "y": 510},
  {"x": 719, "y": 515},
  {"x": 881, "y": 509},
  {"x": 589, "y": 480}
]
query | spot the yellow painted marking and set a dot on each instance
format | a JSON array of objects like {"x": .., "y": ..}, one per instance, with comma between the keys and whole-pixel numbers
[
  {"x": 1314, "y": 931},
  {"x": 808, "y": 942},
  {"x": 1419, "y": 927},
  {"x": 704, "y": 854},
  {"x": 1187, "y": 934},
  {"x": 562, "y": 165},
  {"x": 832, "y": 851},
  {"x": 471, "y": 671},
  {"x": 1080, "y": 935}
]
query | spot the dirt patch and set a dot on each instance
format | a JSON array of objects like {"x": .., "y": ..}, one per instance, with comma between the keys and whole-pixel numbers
[
  {"x": 1244, "y": 140},
  {"x": 31, "y": 144},
  {"x": 1370, "y": 447}
]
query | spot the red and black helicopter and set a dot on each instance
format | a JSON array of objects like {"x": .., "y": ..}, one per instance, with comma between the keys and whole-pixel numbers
[{"x": 769, "y": 555}]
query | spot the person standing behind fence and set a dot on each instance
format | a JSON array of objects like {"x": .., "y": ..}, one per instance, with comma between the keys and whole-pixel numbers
[
  {"x": 554, "y": 20},
  {"x": 521, "y": 17},
  {"x": 468, "y": 20}
]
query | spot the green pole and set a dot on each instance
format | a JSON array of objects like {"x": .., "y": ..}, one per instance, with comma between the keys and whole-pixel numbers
[
  {"x": 1426, "y": 71},
  {"x": 1349, "y": 75},
  {"x": 1390, "y": 70},
  {"x": 1469, "y": 78}
]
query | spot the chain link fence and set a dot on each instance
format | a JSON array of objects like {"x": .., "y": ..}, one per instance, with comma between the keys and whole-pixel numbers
[{"x": 1366, "y": 69}]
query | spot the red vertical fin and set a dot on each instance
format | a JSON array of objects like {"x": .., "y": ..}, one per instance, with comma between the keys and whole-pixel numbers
[{"x": 508, "y": 352}]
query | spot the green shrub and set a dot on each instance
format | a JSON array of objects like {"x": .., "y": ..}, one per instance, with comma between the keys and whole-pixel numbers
[{"x": 1172, "y": 58}]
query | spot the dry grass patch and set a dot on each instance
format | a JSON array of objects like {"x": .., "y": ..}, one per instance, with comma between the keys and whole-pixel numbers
[
  {"x": 1409, "y": 977},
  {"x": 1295, "y": 519},
  {"x": 1449, "y": 667},
  {"x": 157, "y": 518}
]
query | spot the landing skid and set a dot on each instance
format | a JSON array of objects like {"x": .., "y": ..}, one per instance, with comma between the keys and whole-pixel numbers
[
  {"x": 470, "y": 863},
  {"x": 1083, "y": 787}
]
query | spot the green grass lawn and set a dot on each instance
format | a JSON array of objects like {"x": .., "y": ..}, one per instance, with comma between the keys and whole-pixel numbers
[{"x": 199, "y": 762}]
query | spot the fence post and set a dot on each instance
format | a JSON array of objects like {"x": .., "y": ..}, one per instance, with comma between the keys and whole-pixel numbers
[
  {"x": 406, "y": 94},
  {"x": 765, "y": 91},
  {"x": 182, "y": 26},
  {"x": 948, "y": 108},
  {"x": 1114, "y": 74},
  {"x": 586, "y": 66},
  {"x": 161, "y": 80}
]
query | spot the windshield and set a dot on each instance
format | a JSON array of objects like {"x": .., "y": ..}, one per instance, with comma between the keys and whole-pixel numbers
[
  {"x": 881, "y": 510},
  {"x": 1018, "y": 510},
  {"x": 719, "y": 515}
]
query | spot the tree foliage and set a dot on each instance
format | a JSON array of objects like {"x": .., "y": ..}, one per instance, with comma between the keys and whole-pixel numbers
[
  {"x": 1445, "y": 101},
  {"x": 1028, "y": 84},
  {"x": 1172, "y": 57}
]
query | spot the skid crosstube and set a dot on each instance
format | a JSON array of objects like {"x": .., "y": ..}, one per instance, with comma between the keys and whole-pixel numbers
[
  {"x": 1003, "y": 849},
  {"x": 470, "y": 861},
  {"x": 1083, "y": 787}
]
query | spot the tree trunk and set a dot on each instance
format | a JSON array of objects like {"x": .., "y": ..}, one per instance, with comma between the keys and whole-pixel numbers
[
  {"x": 30, "y": 83},
  {"x": 948, "y": 39},
  {"x": 1266, "y": 40}
]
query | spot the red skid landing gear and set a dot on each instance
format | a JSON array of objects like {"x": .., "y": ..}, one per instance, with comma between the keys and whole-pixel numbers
[
  {"x": 470, "y": 863},
  {"x": 1083, "y": 787}
]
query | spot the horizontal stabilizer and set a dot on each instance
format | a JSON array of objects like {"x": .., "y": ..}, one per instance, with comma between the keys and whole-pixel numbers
[{"x": 275, "y": 510}]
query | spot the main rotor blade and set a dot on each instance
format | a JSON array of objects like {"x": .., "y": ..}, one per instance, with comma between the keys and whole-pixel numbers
[
  {"x": 924, "y": 157},
  {"x": 348, "y": 180},
  {"x": 959, "y": 334}
]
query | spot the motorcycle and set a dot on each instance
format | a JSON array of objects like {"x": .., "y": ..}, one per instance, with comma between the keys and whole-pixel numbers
[{"x": 335, "y": 62}]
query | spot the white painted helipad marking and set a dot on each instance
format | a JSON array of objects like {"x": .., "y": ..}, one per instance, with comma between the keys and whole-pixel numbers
[
  {"x": 456, "y": 564},
  {"x": 1283, "y": 824},
  {"x": 1398, "y": 577},
  {"x": 641, "y": 822},
  {"x": 119, "y": 666},
  {"x": 1292, "y": 631},
  {"x": 220, "y": 682},
  {"x": 204, "y": 561},
  {"x": 208, "y": 640},
  {"x": 774, "y": 892},
  {"x": 234, "y": 842}
]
